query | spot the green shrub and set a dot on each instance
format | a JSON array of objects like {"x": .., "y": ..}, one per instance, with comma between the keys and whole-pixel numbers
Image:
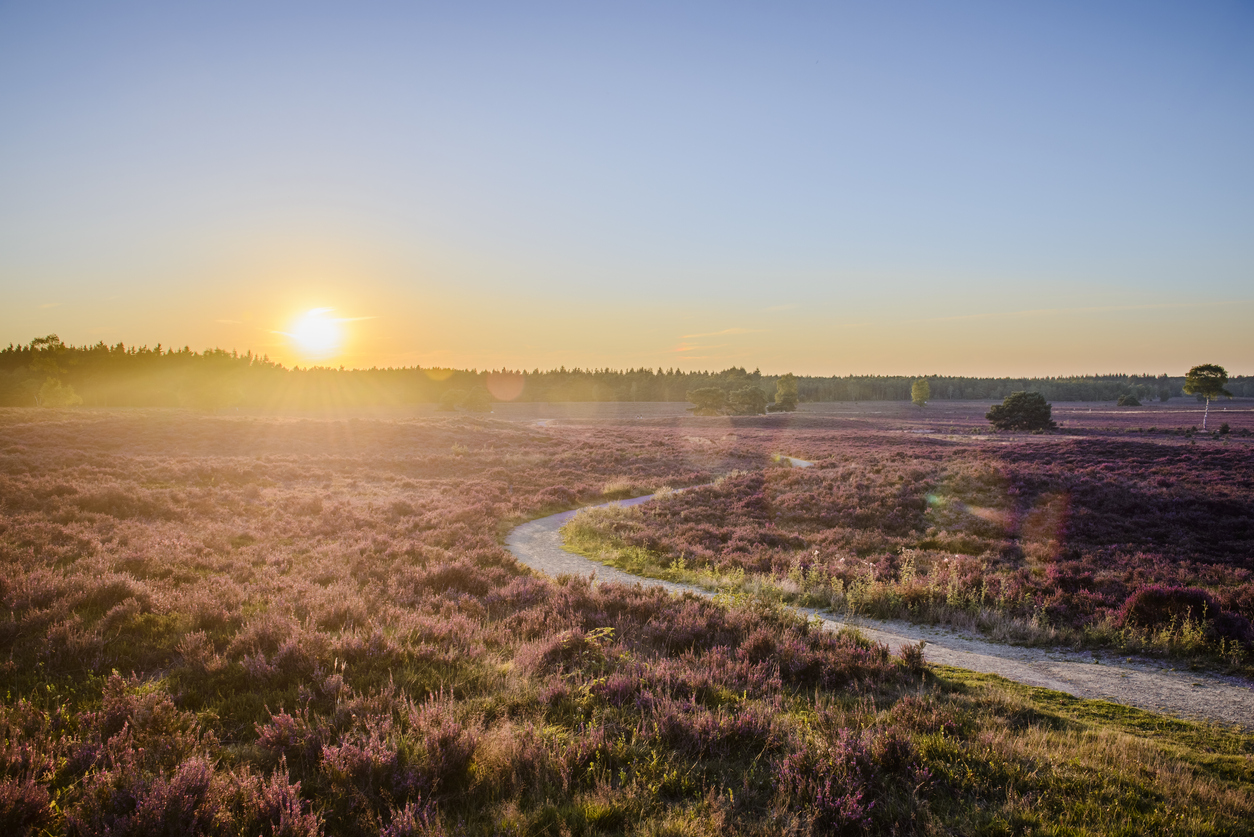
[{"x": 1022, "y": 411}]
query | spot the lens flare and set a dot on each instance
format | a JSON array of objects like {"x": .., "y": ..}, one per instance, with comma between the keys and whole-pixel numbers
[{"x": 505, "y": 386}]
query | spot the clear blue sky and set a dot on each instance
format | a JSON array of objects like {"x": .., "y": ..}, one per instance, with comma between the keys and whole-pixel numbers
[{"x": 981, "y": 188}]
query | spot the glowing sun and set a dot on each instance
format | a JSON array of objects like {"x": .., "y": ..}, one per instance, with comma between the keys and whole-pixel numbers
[{"x": 317, "y": 334}]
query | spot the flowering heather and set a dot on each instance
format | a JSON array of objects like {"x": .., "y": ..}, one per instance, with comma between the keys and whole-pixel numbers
[
  {"x": 292, "y": 626},
  {"x": 1046, "y": 537}
]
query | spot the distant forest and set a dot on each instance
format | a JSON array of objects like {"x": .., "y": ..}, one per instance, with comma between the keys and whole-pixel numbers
[{"x": 48, "y": 371}]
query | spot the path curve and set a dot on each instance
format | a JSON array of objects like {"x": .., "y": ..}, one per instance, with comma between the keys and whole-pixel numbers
[{"x": 1145, "y": 683}]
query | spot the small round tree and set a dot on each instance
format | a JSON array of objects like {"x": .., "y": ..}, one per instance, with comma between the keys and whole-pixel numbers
[
  {"x": 55, "y": 394},
  {"x": 747, "y": 401},
  {"x": 451, "y": 400},
  {"x": 708, "y": 401},
  {"x": 920, "y": 392},
  {"x": 478, "y": 401},
  {"x": 1207, "y": 381},
  {"x": 785, "y": 394},
  {"x": 1022, "y": 411}
]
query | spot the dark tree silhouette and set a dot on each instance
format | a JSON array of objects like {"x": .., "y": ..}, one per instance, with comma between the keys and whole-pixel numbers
[
  {"x": 708, "y": 401},
  {"x": 747, "y": 401},
  {"x": 1022, "y": 411},
  {"x": 451, "y": 400},
  {"x": 478, "y": 401}
]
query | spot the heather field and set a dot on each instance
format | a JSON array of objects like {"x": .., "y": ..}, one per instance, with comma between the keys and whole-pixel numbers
[
  {"x": 307, "y": 624},
  {"x": 1102, "y": 534}
]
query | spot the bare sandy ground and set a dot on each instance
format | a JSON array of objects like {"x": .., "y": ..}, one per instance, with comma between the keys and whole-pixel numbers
[{"x": 1144, "y": 683}]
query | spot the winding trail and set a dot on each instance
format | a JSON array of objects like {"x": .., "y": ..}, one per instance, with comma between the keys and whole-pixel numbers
[{"x": 1141, "y": 682}]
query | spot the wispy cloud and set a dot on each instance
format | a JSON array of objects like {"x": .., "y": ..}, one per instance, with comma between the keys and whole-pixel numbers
[
  {"x": 722, "y": 333},
  {"x": 687, "y": 347},
  {"x": 51, "y": 304}
]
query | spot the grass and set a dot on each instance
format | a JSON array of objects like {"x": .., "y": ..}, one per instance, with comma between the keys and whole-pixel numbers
[{"x": 1094, "y": 767}]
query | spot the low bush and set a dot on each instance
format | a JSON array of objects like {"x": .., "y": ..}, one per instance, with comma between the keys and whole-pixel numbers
[
  {"x": 1157, "y": 606},
  {"x": 1022, "y": 411}
]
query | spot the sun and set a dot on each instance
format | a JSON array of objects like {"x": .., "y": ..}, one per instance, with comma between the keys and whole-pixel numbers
[{"x": 316, "y": 334}]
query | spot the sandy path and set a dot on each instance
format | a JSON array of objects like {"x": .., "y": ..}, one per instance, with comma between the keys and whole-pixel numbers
[{"x": 1143, "y": 683}]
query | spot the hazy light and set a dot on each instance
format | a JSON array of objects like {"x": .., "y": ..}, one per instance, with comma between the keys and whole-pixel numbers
[
  {"x": 316, "y": 334},
  {"x": 505, "y": 386}
]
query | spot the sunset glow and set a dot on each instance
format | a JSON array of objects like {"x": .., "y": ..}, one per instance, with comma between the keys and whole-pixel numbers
[
  {"x": 999, "y": 190},
  {"x": 317, "y": 335}
]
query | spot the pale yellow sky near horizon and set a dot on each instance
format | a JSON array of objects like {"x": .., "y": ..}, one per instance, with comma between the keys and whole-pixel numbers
[{"x": 389, "y": 315}]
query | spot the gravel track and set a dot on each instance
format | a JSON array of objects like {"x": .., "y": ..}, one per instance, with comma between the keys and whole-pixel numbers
[{"x": 1141, "y": 682}]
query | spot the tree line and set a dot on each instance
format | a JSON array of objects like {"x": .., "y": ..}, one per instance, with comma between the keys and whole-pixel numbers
[
  {"x": 50, "y": 372},
  {"x": 1030, "y": 410}
]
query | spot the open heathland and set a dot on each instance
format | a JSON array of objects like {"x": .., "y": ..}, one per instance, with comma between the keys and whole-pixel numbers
[
  {"x": 1130, "y": 540},
  {"x": 304, "y": 625}
]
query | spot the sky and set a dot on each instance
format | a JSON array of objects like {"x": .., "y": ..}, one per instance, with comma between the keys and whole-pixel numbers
[{"x": 973, "y": 188}]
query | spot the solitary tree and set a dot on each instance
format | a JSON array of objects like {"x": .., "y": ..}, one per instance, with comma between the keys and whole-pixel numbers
[
  {"x": 451, "y": 400},
  {"x": 1022, "y": 411},
  {"x": 477, "y": 401},
  {"x": 785, "y": 394},
  {"x": 920, "y": 392},
  {"x": 747, "y": 401},
  {"x": 1207, "y": 381},
  {"x": 55, "y": 394},
  {"x": 708, "y": 401}
]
